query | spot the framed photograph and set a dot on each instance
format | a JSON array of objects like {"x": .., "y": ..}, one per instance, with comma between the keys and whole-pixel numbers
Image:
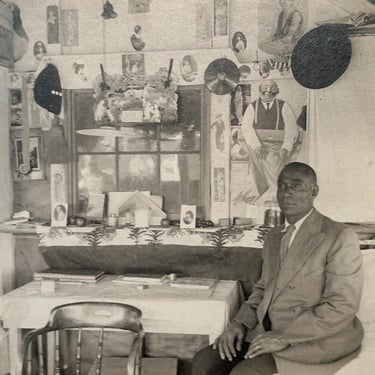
[
  {"x": 16, "y": 117},
  {"x": 59, "y": 215},
  {"x": 30, "y": 169},
  {"x": 95, "y": 207},
  {"x": 188, "y": 216}
]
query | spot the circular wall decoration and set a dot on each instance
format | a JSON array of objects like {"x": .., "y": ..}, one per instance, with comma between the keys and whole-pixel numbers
[
  {"x": 321, "y": 56},
  {"x": 222, "y": 76}
]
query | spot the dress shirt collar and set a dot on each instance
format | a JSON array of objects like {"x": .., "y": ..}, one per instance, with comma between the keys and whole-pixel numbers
[
  {"x": 265, "y": 104},
  {"x": 297, "y": 224}
]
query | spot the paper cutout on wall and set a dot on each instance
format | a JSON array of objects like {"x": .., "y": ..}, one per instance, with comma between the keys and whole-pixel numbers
[
  {"x": 281, "y": 25},
  {"x": 219, "y": 126},
  {"x": 108, "y": 11},
  {"x": 53, "y": 35},
  {"x": 136, "y": 39},
  {"x": 69, "y": 28},
  {"x": 219, "y": 185}
]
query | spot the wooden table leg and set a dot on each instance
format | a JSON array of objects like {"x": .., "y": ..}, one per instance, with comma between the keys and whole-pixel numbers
[{"x": 15, "y": 350}]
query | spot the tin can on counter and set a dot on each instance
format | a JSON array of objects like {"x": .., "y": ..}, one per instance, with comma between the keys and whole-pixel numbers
[{"x": 273, "y": 218}]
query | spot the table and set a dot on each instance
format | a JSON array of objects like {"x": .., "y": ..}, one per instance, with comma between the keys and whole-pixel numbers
[{"x": 165, "y": 309}]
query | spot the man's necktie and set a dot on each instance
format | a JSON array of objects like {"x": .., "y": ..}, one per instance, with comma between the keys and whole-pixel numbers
[
  {"x": 268, "y": 106},
  {"x": 285, "y": 240}
]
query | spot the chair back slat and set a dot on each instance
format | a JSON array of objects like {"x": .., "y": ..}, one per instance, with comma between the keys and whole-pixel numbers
[
  {"x": 96, "y": 314},
  {"x": 57, "y": 353},
  {"x": 78, "y": 352},
  {"x": 42, "y": 364},
  {"x": 29, "y": 362},
  {"x": 98, "y": 366}
]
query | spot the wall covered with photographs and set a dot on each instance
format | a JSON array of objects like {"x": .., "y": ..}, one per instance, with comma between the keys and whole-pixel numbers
[{"x": 248, "y": 144}]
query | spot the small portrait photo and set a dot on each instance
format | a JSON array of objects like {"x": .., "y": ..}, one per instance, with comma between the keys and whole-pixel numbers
[
  {"x": 15, "y": 96},
  {"x": 15, "y": 81},
  {"x": 189, "y": 68},
  {"x": 133, "y": 64},
  {"x": 245, "y": 72},
  {"x": 139, "y": 6},
  {"x": 188, "y": 216},
  {"x": 39, "y": 50},
  {"x": 16, "y": 117},
  {"x": 59, "y": 215},
  {"x": 239, "y": 42}
]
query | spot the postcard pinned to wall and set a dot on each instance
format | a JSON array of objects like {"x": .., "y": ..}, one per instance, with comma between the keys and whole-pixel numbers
[
  {"x": 58, "y": 183},
  {"x": 219, "y": 184},
  {"x": 188, "y": 216},
  {"x": 69, "y": 28},
  {"x": 59, "y": 215},
  {"x": 53, "y": 35},
  {"x": 203, "y": 22},
  {"x": 221, "y": 16}
]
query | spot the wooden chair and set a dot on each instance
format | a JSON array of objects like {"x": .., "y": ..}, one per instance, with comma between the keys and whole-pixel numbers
[{"x": 81, "y": 316}]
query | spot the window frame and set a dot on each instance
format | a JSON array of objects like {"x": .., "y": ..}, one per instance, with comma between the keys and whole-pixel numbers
[{"x": 204, "y": 201}]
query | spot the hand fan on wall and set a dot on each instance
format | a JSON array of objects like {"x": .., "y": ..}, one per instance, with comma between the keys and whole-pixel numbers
[{"x": 221, "y": 76}]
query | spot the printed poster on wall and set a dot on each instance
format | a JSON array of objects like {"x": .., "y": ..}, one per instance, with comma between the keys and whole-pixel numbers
[{"x": 280, "y": 25}]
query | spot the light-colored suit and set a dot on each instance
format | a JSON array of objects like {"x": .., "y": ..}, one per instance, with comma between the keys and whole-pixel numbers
[{"x": 312, "y": 297}]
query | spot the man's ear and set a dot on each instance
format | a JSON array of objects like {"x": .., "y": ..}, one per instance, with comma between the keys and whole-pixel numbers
[{"x": 315, "y": 190}]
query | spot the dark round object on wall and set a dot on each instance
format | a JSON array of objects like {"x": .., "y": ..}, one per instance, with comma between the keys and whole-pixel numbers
[
  {"x": 321, "y": 56},
  {"x": 222, "y": 76}
]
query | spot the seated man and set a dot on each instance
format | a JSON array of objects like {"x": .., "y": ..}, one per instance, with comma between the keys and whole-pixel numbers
[{"x": 304, "y": 305}]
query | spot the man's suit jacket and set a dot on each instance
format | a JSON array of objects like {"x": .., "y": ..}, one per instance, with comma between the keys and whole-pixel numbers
[{"x": 312, "y": 295}]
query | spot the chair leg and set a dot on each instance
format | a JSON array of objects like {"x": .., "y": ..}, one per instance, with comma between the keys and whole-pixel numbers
[
  {"x": 98, "y": 367},
  {"x": 78, "y": 353},
  {"x": 57, "y": 353}
]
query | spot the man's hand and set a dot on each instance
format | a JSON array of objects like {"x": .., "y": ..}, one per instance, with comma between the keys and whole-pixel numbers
[
  {"x": 230, "y": 341},
  {"x": 268, "y": 342}
]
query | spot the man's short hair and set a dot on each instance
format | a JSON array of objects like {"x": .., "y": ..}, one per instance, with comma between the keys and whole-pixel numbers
[{"x": 303, "y": 168}]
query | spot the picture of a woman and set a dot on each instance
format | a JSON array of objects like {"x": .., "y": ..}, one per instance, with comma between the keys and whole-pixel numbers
[{"x": 59, "y": 213}]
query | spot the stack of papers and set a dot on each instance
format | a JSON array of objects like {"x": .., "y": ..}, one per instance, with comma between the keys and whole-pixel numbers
[
  {"x": 141, "y": 279},
  {"x": 69, "y": 274},
  {"x": 193, "y": 283}
]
